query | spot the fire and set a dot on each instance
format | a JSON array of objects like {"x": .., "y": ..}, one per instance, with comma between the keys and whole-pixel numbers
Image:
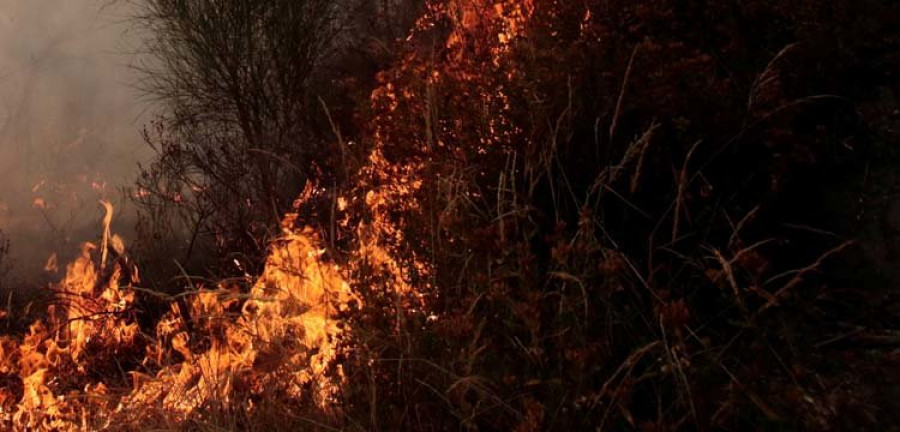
[
  {"x": 226, "y": 348},
  {"x": 88, "y": 324},
  {"x": 88, "y": 364},
  {"x": 52, "y": 265}
]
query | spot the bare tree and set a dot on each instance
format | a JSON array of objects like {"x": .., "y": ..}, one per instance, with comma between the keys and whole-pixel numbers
[
  {"x": 242, "y": 85},
  {"x": 237, "y": 139}
]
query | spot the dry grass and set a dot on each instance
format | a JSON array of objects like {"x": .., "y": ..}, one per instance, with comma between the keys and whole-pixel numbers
[{"x": 518, "y": 264}]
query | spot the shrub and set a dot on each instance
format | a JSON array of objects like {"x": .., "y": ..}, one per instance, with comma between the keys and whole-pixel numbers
[{"x": 605, "y": 211}]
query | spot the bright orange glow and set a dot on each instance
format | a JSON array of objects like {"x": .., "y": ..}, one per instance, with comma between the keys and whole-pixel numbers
[
  {"x": 281, "y": 339},
  {"x": 227, "y": 347}
]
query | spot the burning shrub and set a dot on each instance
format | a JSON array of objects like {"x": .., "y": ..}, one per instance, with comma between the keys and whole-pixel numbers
[
  {"x": 228, "y": 353},
  {"x": 601, "y": 214},
  {"x": 87, "y": 339}
]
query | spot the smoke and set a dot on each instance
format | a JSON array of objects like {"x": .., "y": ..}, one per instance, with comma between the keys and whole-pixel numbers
[{"x": 69, "y": 123}]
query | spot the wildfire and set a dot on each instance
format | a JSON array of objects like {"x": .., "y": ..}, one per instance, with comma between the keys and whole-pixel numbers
[
  {"x": 226, "y": 348},
  {"x": 88, "y": 364},
  {"x": 88, "y": 324},
  {"x": 276, "y": 338}
]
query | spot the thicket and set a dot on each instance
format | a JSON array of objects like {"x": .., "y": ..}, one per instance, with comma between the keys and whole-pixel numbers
[
  {"x": 249, "y": 95},
  {"x": 630, "y": 215},
  {"x": 610, "y": 214}
]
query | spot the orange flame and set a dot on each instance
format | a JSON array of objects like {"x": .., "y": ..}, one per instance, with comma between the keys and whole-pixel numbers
[{"x": 226, "y": 347}]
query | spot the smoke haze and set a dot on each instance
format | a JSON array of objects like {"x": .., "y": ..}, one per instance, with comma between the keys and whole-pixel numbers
[{"x": 69, "y": 123}]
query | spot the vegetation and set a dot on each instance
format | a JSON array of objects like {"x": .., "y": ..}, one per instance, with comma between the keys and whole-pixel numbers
[
  {"x": 524, "y": 215},
  {"x": 235, "y": 146},
  {"x": 631, "y": 227}
]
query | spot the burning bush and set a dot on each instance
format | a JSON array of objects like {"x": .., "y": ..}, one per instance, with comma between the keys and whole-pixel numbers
[
  {"x": 81, "y": 367},
  {"x": 600, "y": 226}
]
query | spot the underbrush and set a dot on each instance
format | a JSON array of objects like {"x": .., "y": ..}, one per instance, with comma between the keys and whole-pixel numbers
[
  {"x": 592, "y": 215},
  {"x": 624, "y": 220}
]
